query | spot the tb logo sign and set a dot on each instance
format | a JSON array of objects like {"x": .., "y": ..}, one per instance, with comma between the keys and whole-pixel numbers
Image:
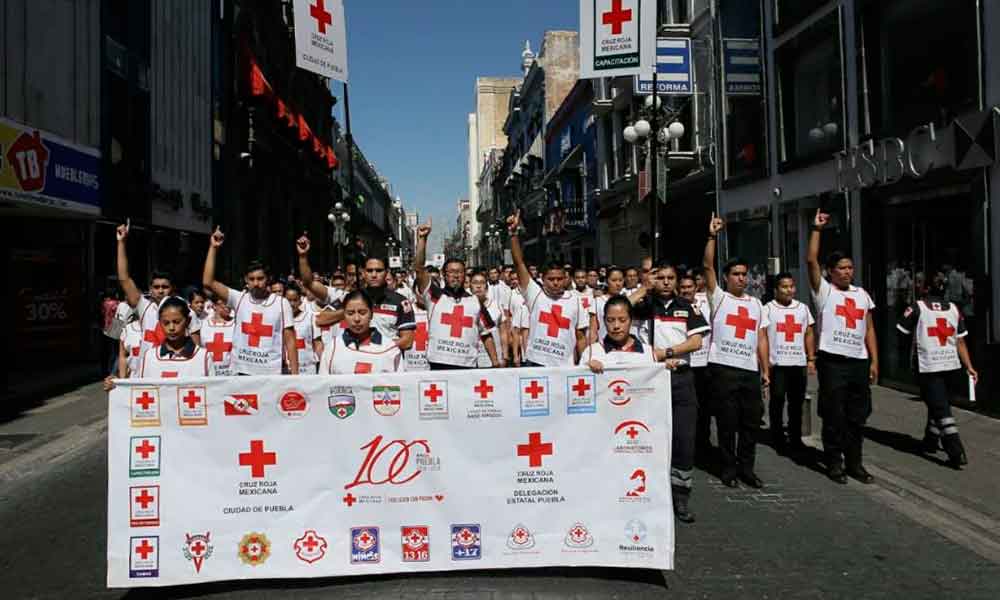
[{"x": 389, "y": 462}]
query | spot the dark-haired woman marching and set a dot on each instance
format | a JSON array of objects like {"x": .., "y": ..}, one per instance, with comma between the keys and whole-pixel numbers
[{"x": 360, "y": 348}]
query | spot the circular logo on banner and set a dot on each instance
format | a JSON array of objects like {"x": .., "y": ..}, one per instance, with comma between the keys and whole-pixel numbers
[
  {"x": 293, "y": 404},
  {"x": 254, "y": 548}
]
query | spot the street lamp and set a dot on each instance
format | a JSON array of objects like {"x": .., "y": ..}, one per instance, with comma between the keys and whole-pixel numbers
[
  {"x": 639, "y": 133},
  {"x": 339, "y": 218},
  {"x": 493, "y": 243}
]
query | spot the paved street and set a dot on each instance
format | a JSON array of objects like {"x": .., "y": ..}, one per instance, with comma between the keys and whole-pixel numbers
[{"x": 922, "y": 531}]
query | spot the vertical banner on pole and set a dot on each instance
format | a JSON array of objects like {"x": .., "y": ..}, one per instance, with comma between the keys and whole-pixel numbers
[
  {"x": 321, "y": 38},
  {"x": 617, "y": 37}
]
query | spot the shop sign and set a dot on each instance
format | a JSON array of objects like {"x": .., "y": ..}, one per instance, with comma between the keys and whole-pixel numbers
[
  {"x": 617, "y": 37},
  {"x": 741, "y": 66},
  {"x": 40, "y": 169},
  {"x": 969, "y": 142}
]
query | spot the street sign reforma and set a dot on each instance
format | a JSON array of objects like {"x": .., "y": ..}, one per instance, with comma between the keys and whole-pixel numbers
[
  {"x": 674, "y": 69},
  {"x": 617, "y": 37}
]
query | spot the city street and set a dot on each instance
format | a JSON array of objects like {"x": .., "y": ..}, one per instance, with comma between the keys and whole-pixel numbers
[{"x": 922, "y": 531}]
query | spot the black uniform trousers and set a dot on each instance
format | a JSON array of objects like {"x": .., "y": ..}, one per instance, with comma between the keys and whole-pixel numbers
[
  {"x": 787, "y": 384},
  {"x": 684, "y": 405},
  {"x": 845, "y": 402},
  {"x": 703, "y": 430},
  {"x": 738, "y": 409},
  {"x": 940, "y": 424}
]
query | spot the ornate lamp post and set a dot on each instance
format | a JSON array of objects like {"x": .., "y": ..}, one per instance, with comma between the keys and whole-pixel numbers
[{"x": 339, "y": 218}]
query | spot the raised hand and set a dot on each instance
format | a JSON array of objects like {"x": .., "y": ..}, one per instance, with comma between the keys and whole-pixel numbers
[
  {"x": 822, "y": 219},
  {"x": 424, "y": 230},
  {"x": 514, "y": 221},
  {"x": 122, "y": 230},
  {"x": 217, "y": 238},
  {"x": 715, "y": 225},
  {"x": 302, "y": 244}
]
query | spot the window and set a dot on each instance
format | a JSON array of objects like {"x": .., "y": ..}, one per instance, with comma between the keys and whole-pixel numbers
[
  {"x": 746, "y": 123},
  {"x": 902, "y": 84},
  {"x": 810, "y": 95},
  {"x": 788, "y": 13}
]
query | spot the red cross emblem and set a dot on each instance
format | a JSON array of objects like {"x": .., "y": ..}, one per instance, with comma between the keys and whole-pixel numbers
[
  {"x": 554, "y": 320},
  {"x": 457, "y": 321},
  {"x": 851, "y": 313},
  {"x": 155, "y": 336},
  {"x": 349, "y": 499},
  {"x": 145, "y": 400},
  {"x": 145, "y": 498},
  {"x": 420, "y": 337},
  {"x": 322, "y": 16},
  {"x": 616, "y": 17},
  {"x": 534, "y": 389},
  {"x": 257, "y": 459},
  {"x": 256, "y": 329},
  {"x": 581, "y": 387},
  {"x": 145, "y": 449},
  {"x": 789, "y": 327},
  {"x": 483, "y": 389},
  {"x": 218, "y": 347},
  {"x": 191, "y": 399},
  {"x": 535, "y": 449},
  {"x": 433, "y": 393},
  {"x": 144, "y": 549},
  {"x": 741, "y": 322},
  {"x": 942, "y": 331}
]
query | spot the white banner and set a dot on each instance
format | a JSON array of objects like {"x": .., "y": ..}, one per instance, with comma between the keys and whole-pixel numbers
[
  {"x": 321, "y": 38},
  {"x": 617, "y": 37},
  {"x": 312, "y": 476}
]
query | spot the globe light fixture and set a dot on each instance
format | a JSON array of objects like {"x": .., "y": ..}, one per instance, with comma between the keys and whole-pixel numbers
[
  {"x": 642, "y": 128},
  {"x": 630, "y": 134}
]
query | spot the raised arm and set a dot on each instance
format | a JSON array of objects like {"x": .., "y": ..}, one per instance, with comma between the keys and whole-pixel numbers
[
  {"x": 420, "y": 257},
  {"x": 708, "y": 261},
  {"x": 132, "y": 293},
  {"x": 208, "y": 274},
  {"x": 302, "y": 246},
  {"x": 513, "y": 227},
  {"x": 812, "y": 256}
]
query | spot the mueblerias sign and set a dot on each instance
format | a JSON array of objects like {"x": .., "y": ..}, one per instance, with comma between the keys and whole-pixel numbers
[
  {"x": 312, "y": 476},
  {"x": 617, "y": 37}
]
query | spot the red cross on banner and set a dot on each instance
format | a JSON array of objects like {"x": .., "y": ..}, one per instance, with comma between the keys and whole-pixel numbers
[
  {"x": 256, "y": 329},
  {"x": 554, "y": 320},
  {"x": 145, "y": 400},
  {"x": 192, "y": 399},
  {"x": 145, "y": 449},
  {"x": 433, "y": 393},
  {"x": 323, "y": 17},
  {"x": 145, "y": 498},
  {"x": 483, "y": 389},
  {"x": 535, "y": 449},
  {"x": 616, "y": 17},
  {"x": 257, "y": 459},
  {"x": 534, "y": 389}
]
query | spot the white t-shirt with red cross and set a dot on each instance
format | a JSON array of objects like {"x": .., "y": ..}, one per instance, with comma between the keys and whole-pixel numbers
[
  {"x": 217, "y": 340},
  {"x": 552, "y": 326},
  {"x": 843, "y": 319},
  {"x": 786, "y": 332},
  {"x": 370, "y": 356},
  {"x": 132, "y": 340},
  {"x": 148, "y": 314},
  {"x": 736, "y": 323},
  {"x": 416, "y": 356},
  {"x": 699, "y": 358},
  {"x": 937, "y": 326},
  {"x": 326, "y": 332},
  {"x": 484, "y": 362},
  {"x": 258, "y": 345},
  {"x": 455, "y": 326},
  {"x": 156, "y": 366},
  {"x": 305, "y": 335}
]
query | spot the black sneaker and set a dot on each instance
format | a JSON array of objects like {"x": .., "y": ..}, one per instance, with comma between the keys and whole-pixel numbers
[
  {"x": 681, "y": 510},
  {"x": 750, "y": 478},
  {"x": 729, "y": 479},
  {"x": 958, "y": 461},
  {"x": 836, "y": 473},
  {"x": 859, "y": 473}
]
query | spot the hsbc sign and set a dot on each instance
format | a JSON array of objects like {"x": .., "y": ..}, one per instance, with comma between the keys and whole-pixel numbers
[{"x": 404, "y": 473}]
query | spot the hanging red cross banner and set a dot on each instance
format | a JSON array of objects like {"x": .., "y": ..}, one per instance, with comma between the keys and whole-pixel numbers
[
  {"x": 430, "y": 471},
  {"x": 321, "y": 38},
  {"x": 617, "y": 37}
]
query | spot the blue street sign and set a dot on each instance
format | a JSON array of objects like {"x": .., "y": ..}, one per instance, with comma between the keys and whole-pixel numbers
[
  {"x": 741, "y": 66},
  {"x": 674, "y": 70}
]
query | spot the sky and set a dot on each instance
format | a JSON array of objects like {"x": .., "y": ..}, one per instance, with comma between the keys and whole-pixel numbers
[{"x": 413, "y": 66}]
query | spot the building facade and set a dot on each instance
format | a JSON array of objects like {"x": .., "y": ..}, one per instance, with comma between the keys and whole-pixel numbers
[{"x": 897, "y": 143}]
